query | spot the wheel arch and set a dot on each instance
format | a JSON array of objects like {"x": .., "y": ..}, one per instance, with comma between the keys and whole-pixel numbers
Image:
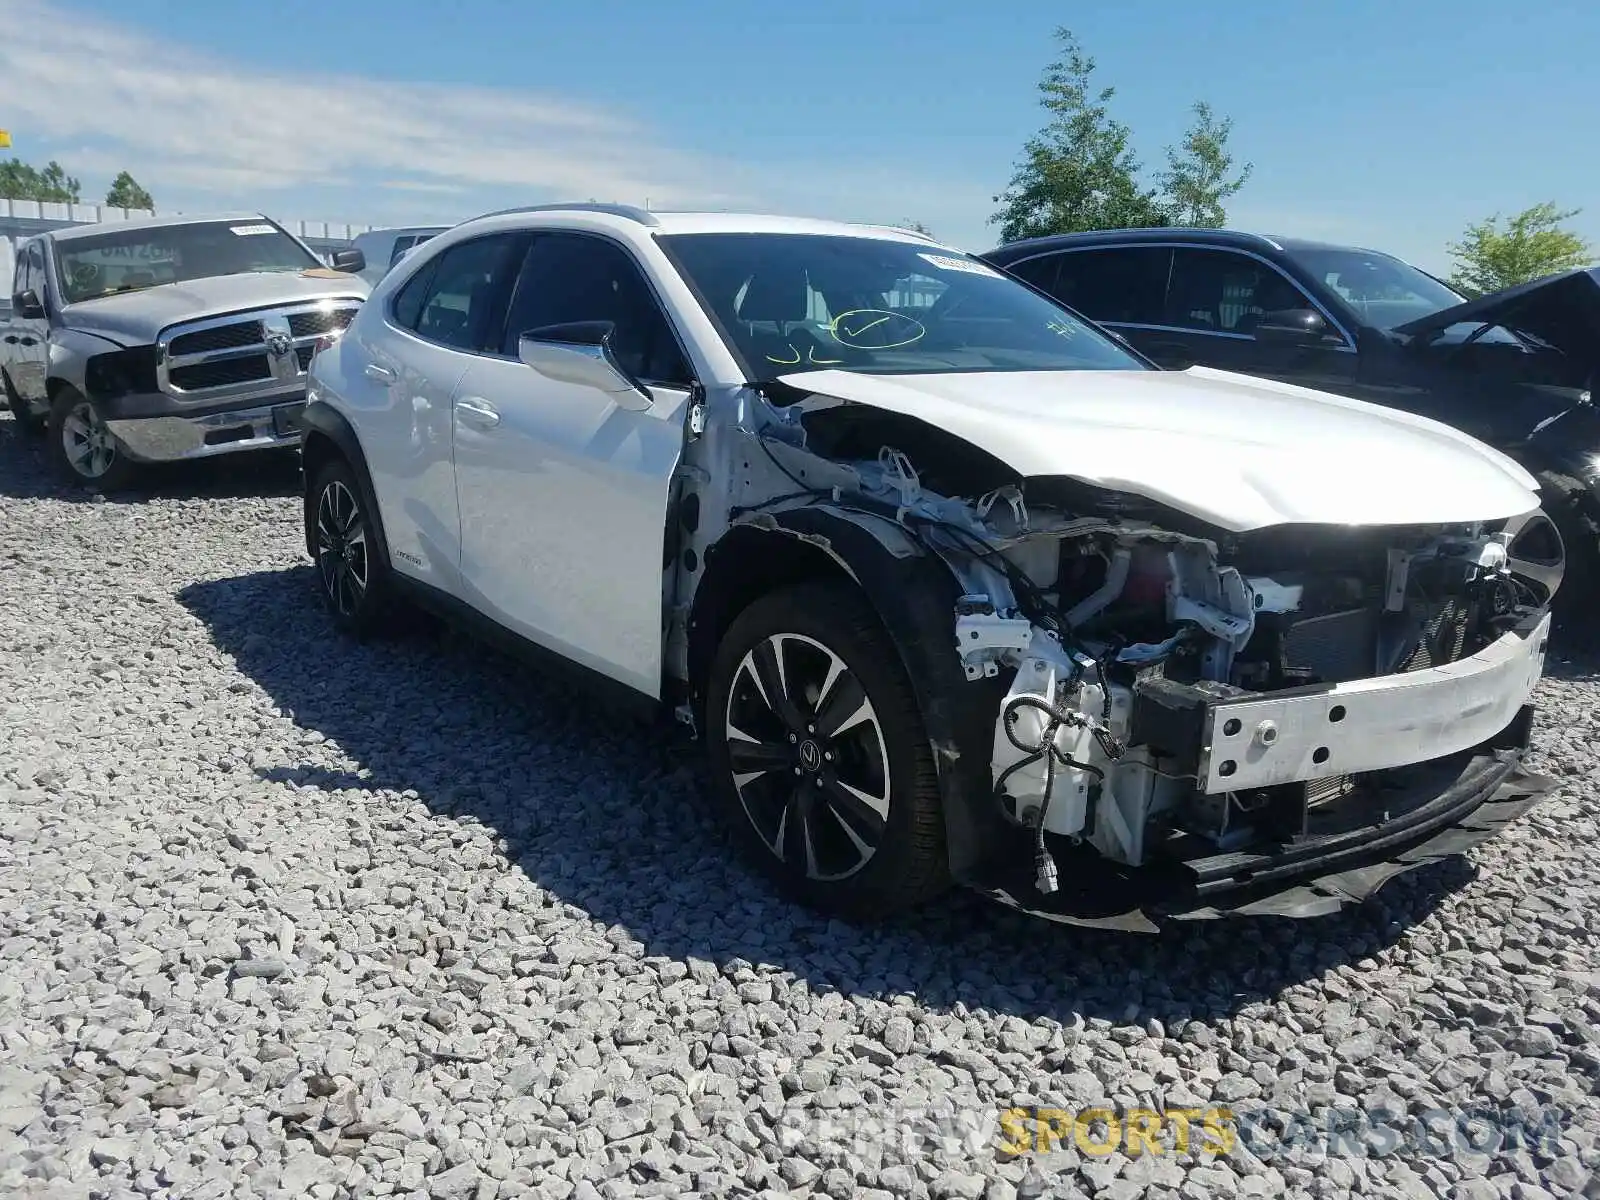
[
  {"x": 329, "y": 436},
  {"x": 913, "y": 594}
]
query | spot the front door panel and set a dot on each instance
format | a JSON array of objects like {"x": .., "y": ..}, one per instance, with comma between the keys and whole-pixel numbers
[{"x": 563, "y": 501}]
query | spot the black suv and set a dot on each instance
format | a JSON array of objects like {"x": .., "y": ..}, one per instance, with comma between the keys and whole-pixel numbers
[{"x": 1514, "y": 369}]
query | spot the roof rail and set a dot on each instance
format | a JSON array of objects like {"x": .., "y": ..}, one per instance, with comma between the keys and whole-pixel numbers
[
  {"x": 627, "y": 211},
  {"x": 906, "y": 229}
]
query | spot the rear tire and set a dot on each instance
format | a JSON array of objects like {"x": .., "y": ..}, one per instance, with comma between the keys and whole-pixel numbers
[
  {"x": 819, "y": 758},
  {"x": 351, "y": 575},
  {"x": 30, "y": 422},
  {"x": 83, "y": 447}
]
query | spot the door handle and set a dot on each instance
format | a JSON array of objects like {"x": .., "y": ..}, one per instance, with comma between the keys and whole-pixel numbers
[
  {"x": 29, "y": 341},
  {"x": 11, "y": 339},
  {"x": 380, "y": 373},
  {"x": 477, "y": 412}
]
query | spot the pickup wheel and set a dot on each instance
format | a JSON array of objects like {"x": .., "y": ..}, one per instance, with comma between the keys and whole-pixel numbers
[
  {"x": 351, "y": 576},
  {"x": 29, "y": 421},
  {"x": 83, "y": 447},
  {"x": 819, "y": 757}
]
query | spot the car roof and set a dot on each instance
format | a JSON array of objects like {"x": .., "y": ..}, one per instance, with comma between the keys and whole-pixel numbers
[
  {"x": 93, "y": 229},
  {"x": 401, "y": 230},
  {"x": 628, "y": 219},
  {"x": 1237, "y": 239}
]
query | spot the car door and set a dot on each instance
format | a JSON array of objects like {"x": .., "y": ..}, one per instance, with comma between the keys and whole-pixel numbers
[
  {"x": 563, "y": 491},
  {"x": 399, "y": 375},
  {"x": 27, "y": 338},
  {"x": 1215, "y": 299},
  {"x": 1122, "y": 288}
]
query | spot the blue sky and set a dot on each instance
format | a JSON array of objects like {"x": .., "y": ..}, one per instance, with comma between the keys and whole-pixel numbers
[{"x": 1392, "y": 125}]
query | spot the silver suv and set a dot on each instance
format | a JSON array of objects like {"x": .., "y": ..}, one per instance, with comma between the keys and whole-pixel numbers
[
  {"x": 956, "y": 586},
  {"x": 169, "y": 338}
]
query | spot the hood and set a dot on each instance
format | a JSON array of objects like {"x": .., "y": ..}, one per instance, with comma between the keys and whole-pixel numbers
[
  {"x": 135, "y": 318},
  {"x": 1235, "y": 451},
  {"x": 1562, "y": 310}
]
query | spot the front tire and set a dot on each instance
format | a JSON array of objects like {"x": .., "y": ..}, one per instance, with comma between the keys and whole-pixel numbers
[
  {"x": 352, "y": 578},
  {"x": 819, "y": 757},
  {"x": 83, "y": 447}
]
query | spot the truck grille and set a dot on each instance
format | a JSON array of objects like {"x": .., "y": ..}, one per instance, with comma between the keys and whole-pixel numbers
[
  {"x": 247, "y": 353},
  {"x": 221, "y": 373},
  {"x": 315, "y": 324},
  {"x": 223, "y": 337}
]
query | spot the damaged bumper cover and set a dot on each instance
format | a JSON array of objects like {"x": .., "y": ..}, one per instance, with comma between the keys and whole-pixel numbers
[
  {"x": 1436, "y": 763},
  {"x": 1490, "y": 791}
]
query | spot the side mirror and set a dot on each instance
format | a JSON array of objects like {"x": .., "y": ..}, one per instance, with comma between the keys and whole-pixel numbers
[
  {"x": 1292, "y": 327},
  {"x": 348, "y": 261},
  {"x": 580, "y": 352},
  {"x": 28, "y": 306}
]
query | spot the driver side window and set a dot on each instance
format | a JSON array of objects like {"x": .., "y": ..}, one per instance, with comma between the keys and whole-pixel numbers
[
  {"x": 21, "y": 282},
  {"x": 568, "y": 277},
  {"x": 1218, "y": 291},
  {"x": 36, "y": 280}
]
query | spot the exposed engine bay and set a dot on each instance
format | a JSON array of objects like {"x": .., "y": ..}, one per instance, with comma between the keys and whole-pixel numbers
[{"x": 1170, "y": 685}]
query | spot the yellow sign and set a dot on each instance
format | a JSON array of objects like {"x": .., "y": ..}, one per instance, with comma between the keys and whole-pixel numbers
[
  {"x": 1100, "y": 1131},
  {"x": 5, "y": 137}
]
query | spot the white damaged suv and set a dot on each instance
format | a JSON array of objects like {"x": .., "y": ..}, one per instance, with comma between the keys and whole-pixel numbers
[{"x": 957, "y": 588}]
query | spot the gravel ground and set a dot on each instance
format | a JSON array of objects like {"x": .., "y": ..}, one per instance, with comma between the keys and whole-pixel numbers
[{"x": 284, "y": 916}]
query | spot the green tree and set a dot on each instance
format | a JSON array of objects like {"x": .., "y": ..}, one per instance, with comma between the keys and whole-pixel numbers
[
  {"x": 1079, "y": 172},
  {"x": 19, "y": 181},
  {"x": 917, "y": 227},
  {"x": 1199, "y": 175},
  {"x": 1531, "y": 246},
  {"x": 125, "y": 192}
]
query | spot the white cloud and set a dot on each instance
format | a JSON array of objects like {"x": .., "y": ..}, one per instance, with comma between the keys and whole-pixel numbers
[
  {"x": 422, "y": 185},
  {"x": 186, "y": 120},
  {"x": 202, "y": 131}
]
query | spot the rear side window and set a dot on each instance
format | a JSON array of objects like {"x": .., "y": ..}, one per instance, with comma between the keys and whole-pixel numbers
[
  {"x": 413, "y": 293},
  {"x": 458, "y": 298},
  {"x": 401, "y": 245},
  {"x": 1219, "y": 291},
  {"x": 1126, "y": 285}
]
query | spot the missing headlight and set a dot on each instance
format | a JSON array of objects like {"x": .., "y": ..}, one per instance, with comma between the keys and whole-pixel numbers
[{"x": 121, "y": 373}]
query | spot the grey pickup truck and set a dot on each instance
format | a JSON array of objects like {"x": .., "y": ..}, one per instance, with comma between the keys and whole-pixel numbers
[{"x": 170, "y": 338}]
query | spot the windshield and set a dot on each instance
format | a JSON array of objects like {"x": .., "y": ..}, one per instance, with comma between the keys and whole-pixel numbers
[
  {"x": 798, "y": 302},
  {"x": 129, "y": 260},
  {"x": 1382, "y": 291}
]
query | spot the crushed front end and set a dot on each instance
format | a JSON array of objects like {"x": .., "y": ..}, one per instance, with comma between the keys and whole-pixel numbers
[
  {"x": 1163, "y": 719},
  {"x": 1274, "y": 723}
]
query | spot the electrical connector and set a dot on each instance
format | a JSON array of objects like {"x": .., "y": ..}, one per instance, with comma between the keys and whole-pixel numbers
[{"x": 1045, "y": 879}]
